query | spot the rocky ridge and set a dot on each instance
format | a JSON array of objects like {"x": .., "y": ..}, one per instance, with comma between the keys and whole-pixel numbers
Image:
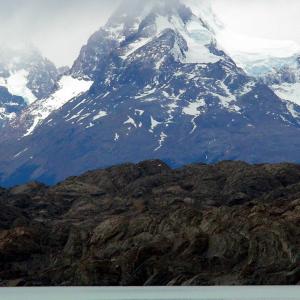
[{"x": 147, "y": 224}]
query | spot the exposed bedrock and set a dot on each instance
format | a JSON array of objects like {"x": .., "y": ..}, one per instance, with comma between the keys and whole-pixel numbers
[{"x": 146, "y": 224}]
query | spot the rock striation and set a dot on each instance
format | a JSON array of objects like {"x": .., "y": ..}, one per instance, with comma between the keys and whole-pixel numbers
[{"x": 229, "y": 223}]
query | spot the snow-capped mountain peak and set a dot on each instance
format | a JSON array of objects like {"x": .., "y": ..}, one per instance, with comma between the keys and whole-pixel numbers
[
  {"x": 204, "y": 11},
  {"x": 134, "y": 25},
  {"x": 153, "y": 82}
]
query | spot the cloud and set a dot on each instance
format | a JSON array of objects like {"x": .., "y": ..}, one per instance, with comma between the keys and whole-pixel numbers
[
  {"x": 272, "y": 19},
  {"x": 60, "y": 28},
  {"x": 260, "y": 27}
]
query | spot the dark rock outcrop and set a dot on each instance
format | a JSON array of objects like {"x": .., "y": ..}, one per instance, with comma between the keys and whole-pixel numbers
[{"x": 146, "y": 224}]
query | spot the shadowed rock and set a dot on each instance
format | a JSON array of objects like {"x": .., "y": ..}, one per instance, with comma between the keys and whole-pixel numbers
[{"x": 147, "y": 224}]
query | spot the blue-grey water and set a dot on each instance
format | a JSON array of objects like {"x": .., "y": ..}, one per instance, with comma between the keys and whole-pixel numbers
[{"x": 153, "y": 293}]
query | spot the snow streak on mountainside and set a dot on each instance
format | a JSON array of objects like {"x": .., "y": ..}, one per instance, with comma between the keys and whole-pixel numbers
[
  {"x": 35, "y": 114},
  {"x": 154, "y": 82}
]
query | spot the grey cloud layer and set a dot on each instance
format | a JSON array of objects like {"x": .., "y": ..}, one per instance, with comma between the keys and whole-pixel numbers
[{"x": 60, "y": 27}]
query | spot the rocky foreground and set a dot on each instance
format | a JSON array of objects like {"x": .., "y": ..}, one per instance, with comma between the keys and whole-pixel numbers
[{"x": 146, "y": 224}]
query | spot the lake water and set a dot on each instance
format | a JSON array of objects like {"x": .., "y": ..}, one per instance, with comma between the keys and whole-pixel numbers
[{"x": 153, "y": 293}]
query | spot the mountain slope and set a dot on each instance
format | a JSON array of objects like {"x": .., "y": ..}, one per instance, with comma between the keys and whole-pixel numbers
[
  {"x": 67, "y": 87},
  {"x": 10, "y": 105},
  {"x": 25, "y": 74},
  {"x": 157, "y": 85},
  {"x": 281, "y": 74},
  {"x": 286, "y": 82},
  {"x": 34, "y": 75}
]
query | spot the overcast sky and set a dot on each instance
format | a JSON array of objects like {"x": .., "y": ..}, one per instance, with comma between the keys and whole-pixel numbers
[{"x": 60, "y": 27}]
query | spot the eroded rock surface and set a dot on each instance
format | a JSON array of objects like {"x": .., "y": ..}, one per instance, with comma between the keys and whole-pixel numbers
[{"x": 146, "y": 224}]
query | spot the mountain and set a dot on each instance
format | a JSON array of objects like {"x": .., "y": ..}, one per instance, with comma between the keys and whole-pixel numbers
[
  {"x": 66, "y": 88},
  {"x": 154, "y": 82},
  {"x": 26, "y": 74},
  {"x": 10, "y": 105},
  {"x": 281, "y": 74},
  {"x": 225, "y": 224}
]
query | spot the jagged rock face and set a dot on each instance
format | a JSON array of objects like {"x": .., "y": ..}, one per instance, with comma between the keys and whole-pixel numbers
[
  {"x": 27, "y": 67},
  {"x": 286, "y": 82},
  {"x": 43, "y": 79},
  {"x": 135, "y": 24},
  {"x": 284, "y": 74},
  {"x": 25, "y": 76},
  {"x": 146, "y": 224},
  {"x": 10, "y": 105},
  {"x": 157, "y": 85}
]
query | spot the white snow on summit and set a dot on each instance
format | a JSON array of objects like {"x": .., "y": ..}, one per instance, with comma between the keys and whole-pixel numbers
[
  {"x": 203, "y": 10},
  {"x": 197, "y": 37},
  {"x": 197, "y": 32}
]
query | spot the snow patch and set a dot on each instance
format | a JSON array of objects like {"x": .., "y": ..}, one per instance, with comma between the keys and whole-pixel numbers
[
  {"x": 20, "y": 153},
  {"x": 116, "y": 138},
  {"x": 247, "y": 88},
  {"x": 16, "y": 84},
  {"x": 90, "y": 126},
  {"x": 147, "y": 92},
  {"x": 68, "y": 89},
  {"x": 193, "y": 110},
  {"x": 162, "y": 139},
  {"x": 288, "y": 91},
  {"x": 130, "y": 121},
  {"x": 32, "y": 127},
  {"x": 227, "y": 99},
  {"x": 100, "y": 115},
  {"x": 154, "y": 124},
  {"x": 291, "y": 108},
  {"x": 197, "y": 37},
  {"x": 139, "y": 111},
  {"x": 4, "y": 115},
  {"x": 135, "y": 46}
]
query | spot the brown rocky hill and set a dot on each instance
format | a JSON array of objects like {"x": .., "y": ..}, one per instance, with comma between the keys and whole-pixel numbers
[{"x": 146, "y": 224}]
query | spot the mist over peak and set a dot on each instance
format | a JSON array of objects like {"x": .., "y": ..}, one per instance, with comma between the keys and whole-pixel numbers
[{"x": 59, "y": 29}]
